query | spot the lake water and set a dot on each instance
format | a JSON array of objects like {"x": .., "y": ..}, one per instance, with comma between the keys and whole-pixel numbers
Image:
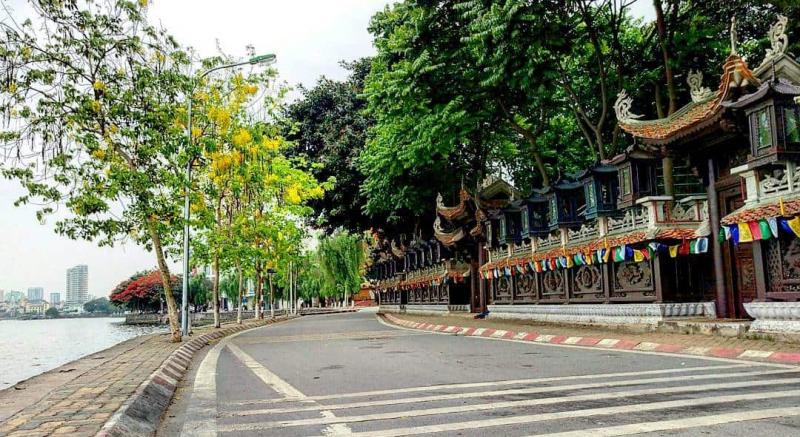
[{"x": 31, "y": 347}]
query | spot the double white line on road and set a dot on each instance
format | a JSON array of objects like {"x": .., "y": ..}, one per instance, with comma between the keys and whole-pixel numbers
[
  {"x": 468, "y": 385},
  {"x": 528, "y": 403},
  {"x": 528, "y": 390}
]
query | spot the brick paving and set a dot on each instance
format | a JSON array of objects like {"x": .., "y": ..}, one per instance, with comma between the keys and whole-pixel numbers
[
  {"x": 83, "y": 404},
  {"x": 724, "y": 347}
]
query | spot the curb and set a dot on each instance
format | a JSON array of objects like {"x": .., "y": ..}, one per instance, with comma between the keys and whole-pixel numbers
[
  {"x": 141, "y": 413},
  {"x": 605, "y": 343}
]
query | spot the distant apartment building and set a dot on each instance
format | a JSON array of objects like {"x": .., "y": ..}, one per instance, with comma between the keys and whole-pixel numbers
[
  {"x": 35, "y": 293},
  {"x": 55, "y": 299},
  {"x": 77, "y": 286},
  {"x": 2, "y": 296},
  {"x": 14, "y": 297}
]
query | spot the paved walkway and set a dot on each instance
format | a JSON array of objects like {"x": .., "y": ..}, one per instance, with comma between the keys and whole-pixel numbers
[
  {"x": 79, "y": 397},
  {"x": 354, "y": 375}
]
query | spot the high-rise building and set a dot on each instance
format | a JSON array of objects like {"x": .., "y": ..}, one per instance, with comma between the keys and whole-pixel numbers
[
  {"x": 55, "y": 299},
  {"x": 35, "y": 293},
  {"x": 77, "y": 285}
]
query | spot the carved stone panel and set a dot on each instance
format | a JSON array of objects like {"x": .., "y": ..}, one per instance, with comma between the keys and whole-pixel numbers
[
  {"x": 631, "y": 276},
  {"x": 504, "y": 288},
  {"x": 525, "y": 286},
  {"x": 553, "y": 284},
  {"x": 587, "y": 281}
]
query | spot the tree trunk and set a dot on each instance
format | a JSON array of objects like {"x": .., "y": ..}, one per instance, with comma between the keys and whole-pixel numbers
[
  {"x": 259, "y": 289},
  {"x": 172, "y": 307},
  {"x": 661, "y": 26},
  {"x": 215, "y": 292},
  {"x": 241, "y": 292},
  {"x": 271, "y": 299}
]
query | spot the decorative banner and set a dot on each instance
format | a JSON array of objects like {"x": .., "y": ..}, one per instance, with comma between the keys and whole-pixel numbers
[{"x": 758, "y": 230}]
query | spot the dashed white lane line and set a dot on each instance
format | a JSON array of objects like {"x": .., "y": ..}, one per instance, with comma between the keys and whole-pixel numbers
[
  {"x": 520, "y": 391},
  {"x": 514, "y": 404},
  {"x": 624, "y": 409},
  {"x": 469, "y": 385},
  {"x": 689, "y": 422}
]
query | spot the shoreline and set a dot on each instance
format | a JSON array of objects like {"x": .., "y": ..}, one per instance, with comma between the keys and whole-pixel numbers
[
  {"x": 44, "y": 345},
  {"x": 27, "y": 392}
]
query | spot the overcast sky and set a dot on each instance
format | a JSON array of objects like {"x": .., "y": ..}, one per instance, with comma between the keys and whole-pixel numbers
[{"x": 310, "y": 37}]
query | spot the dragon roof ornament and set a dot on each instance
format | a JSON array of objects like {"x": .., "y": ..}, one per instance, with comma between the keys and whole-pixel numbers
[
  {"x": 777, "y": 40},
  {"x": 698, "y": 92},
  {"x": 622, "y": 107}
]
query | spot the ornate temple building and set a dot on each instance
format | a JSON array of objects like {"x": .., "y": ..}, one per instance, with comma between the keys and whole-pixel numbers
[{"x": 699, "y": 218}]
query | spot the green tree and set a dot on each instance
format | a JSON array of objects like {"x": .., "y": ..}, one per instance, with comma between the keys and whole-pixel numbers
[
  {"x": 328, "y": 127},
  {"x": 99, "y": 305},
  {"x": 91, "y": 98},
  {"x": 52, "y": 313},
  {"x": 341, "y": 259}
]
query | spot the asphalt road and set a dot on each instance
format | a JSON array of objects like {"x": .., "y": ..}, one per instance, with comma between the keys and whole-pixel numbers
[{"x": 349, "y": 374}]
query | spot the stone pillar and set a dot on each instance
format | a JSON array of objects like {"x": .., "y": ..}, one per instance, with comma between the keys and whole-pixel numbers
[{"x": 716, "y": 246}]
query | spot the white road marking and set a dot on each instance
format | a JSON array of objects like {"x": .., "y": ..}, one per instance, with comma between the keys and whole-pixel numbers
[
  {"x": 203, "y": 396},
  {"x": 203, "y": 401},
  {"x": 511, "y": 404},
  {"x": 527, "y": 390},
  {"x": 688, "y": 422},
  {"x": 287, "y": 390},
  {"x": 427, "y": 388},
  {"x": 269, "y": 378},
  {"x": 623, "y": 409}
]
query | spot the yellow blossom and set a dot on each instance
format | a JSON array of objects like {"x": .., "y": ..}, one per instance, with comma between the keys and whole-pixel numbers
[
  {"x": 242, "y": 137},
  {"x": 292, "y": 195},
  {"x": 271, "y": 144},
  {"x": 99, "y": 85},
  {"x": 95, "y": 106}
]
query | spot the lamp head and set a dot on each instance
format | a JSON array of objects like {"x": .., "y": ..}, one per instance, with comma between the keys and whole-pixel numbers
[{"x": 267, "y": 59}]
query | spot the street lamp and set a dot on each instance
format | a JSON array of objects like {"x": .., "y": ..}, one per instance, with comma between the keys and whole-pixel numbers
[{"x": 268, "y": 59}]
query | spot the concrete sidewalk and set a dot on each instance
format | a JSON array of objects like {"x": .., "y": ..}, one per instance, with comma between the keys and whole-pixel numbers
[
  {"x": 697, "y": 345},
  {"x": 80, "y": 397}
]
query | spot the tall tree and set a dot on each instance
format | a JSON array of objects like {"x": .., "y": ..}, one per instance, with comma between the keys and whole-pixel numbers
[
  {"x": 91, "y": 95},
  {"x": 328, "y": 127}
]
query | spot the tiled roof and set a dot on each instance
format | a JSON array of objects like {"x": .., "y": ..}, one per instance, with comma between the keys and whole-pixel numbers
[
  {"x": 455, "y": 212},
  {"x": 695, "y": 115},
  {"x": 791, "y": 207}
]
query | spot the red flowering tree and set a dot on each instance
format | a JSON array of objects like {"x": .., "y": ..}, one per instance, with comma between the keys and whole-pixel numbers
[{"x": 144, "y": 291}]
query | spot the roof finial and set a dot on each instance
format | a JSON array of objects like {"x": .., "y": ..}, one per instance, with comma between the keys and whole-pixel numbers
[
  {"x": 622, "y": 107},
  {"x": 698, "y": 92},
  {"x": 733, "y": 36},
  {"x": 777, "y": 39}
]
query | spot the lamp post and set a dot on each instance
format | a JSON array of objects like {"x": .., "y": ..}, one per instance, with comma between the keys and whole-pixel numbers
[
  {"x": 255, "y": 60},
  {"x": 270, "y": 272}
]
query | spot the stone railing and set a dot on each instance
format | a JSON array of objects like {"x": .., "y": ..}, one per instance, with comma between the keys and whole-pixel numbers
[
  {"x": 761, "y": 186},
  {"x": 587, "y": 232},
  {"x": 635, "y": 218},
  {"x": 552, "y": 240}
]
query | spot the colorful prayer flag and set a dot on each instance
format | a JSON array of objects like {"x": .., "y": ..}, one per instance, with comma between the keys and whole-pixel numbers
[
  {"x": 673, "y": 251},
  {"x": 755, "y": 230},
  {"x": 766, "y": 232},
  {"x": 794, "y": 225},
  {"x": 745, "y": 236}
]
